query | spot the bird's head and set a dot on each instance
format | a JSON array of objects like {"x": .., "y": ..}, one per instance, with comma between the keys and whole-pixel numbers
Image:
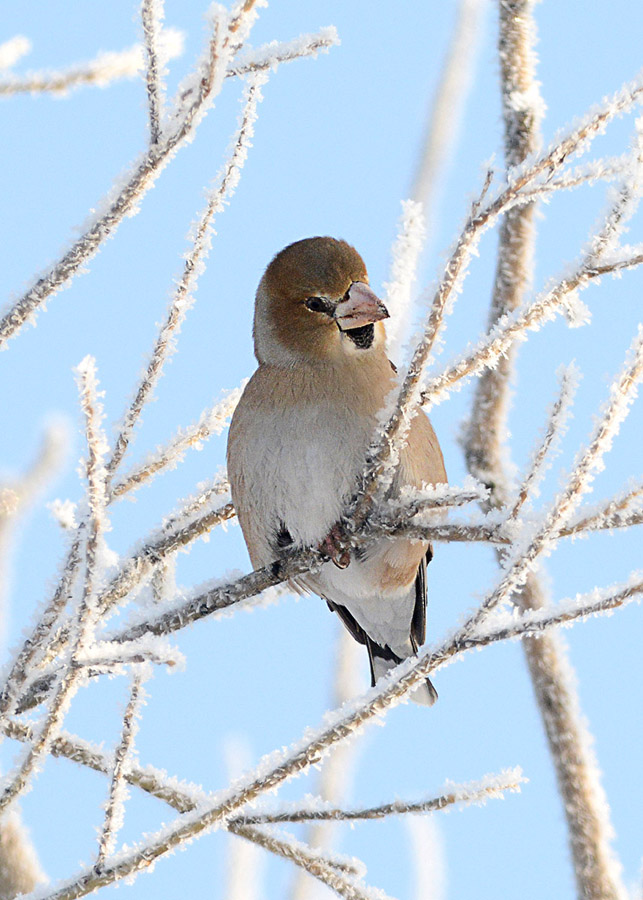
[{"x": 314, "y": 303}]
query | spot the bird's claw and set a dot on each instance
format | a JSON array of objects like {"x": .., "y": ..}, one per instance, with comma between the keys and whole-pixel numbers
[{"x": 332, "y": 547}]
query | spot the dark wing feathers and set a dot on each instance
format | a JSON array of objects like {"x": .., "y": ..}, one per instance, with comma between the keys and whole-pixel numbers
[
  {"x": 349, "y": 621},
  {"x": 418, "y": 622}
]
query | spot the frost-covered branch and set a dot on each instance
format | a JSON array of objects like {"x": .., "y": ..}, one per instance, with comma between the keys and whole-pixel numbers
[
  {"x": 616, "y": 513},
  {"x": 487, "y": 459},
  {"x": 274, "y": 771},
  {"x": 115, "y": 808},
  {"x": 338, "y": 875},
  {"x": 384, "y": 451},
  {"x": 183, "y": 118},
  {"x": 473, "y": 792},
  {"x": 212, "y": 421},
  {"x": 271, "y": 55},
  {"x": 405, "y": 258},
  {"x": 180, "y": 796},
  {"x": 100, "y": 71},
  {"x": 67, "y": 678},
  {"x": 553, "y": 434},
  {"x": 194, "y": 265},
  {"x": 152, "y": 14},
  {"x": 523, "y": 555},
  {"x": 34, "y": 643},
  {"x": 132, "y": 572}
]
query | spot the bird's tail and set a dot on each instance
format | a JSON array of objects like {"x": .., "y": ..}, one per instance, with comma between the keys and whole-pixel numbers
[{"x": 382, "y": 660}]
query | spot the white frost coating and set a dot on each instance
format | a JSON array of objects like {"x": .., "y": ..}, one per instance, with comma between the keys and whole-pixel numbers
[
  {"x": 270, "y": 55},
  {"x": 212, "y": 421},
  {"x": 153, "y": 648},
  {"x": 13, "y": 50},
  {"x": 600, "y": 601},
  {"x": 405, "y": 255},
  {"x": 438, "y": 495},
  {"x": 101, "y": 70},
  {"x": 64, "y": 512},
  {"x": 528, "y": 100},
  {"x": 123, "y": 761},
  {"x": 576, "y": 310},
  {"x": 559, "y": 414},
  {"x": 577, "y": 137},
  {"x": 201, "y": 234}
]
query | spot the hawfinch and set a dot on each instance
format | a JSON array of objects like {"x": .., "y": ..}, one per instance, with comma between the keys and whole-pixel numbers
[{"x": 298, "y": 441}]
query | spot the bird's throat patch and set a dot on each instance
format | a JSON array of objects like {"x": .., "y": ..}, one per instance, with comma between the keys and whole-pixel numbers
[{"x": 362, "y": 337}]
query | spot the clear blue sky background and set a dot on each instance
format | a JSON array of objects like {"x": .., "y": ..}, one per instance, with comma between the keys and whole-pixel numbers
[{"x": 334, "y": 151}]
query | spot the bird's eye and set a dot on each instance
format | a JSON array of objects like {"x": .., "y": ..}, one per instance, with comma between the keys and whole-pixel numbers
[{"x": 318, "y": 304}]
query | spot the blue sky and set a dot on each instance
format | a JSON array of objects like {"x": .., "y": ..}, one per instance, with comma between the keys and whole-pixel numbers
[{"x": 334, "y": 152}]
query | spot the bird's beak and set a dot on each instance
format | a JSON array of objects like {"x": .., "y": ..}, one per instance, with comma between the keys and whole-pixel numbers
[{"x": 359, "y": 307}]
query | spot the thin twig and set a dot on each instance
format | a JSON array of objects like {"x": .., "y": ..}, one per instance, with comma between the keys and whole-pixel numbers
[
  {"x": 212, "y": 421},
  {"x": 117, "y": 795},
  {"x": 104, "y": 69},
  {"x": 152, "y": 21},
  {"x": 316, "y": 864},
  {"x": 486, "y": 458},
  {"x": 473, "y": 792},
  {"x": 271, "y": 55},
  {"x": 553, "y": 434},
  {"x": 210, "y": 72},
  {"x": 310, "y": 751},
  {"x": 67, "y": 679},
  {"x": 522, "y": 558},
  {"x": 183, "y": 296}
]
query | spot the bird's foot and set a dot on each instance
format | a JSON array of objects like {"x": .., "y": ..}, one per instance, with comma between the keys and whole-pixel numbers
[{"x": 333, "y": 547}]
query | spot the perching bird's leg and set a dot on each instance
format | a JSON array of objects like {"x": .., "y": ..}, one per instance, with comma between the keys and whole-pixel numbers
[{"x": 333, "y": 547}]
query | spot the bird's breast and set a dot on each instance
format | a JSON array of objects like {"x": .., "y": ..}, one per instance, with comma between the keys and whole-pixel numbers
[{"x": 294, "y": 462}]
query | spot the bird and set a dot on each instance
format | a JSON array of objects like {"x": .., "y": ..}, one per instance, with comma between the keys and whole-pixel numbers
[{"x": 298, "y": 441}]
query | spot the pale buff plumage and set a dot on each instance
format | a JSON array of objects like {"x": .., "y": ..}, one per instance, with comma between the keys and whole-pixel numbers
[{"x": 299, "y": 436}]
